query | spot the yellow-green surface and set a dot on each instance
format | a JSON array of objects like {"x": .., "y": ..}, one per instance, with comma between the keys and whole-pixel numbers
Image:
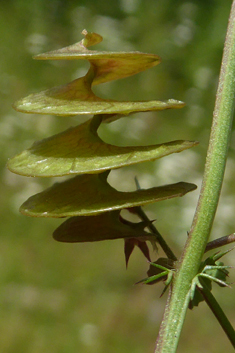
[
  {"x": 57, "y": 297},
  {"x": 86, "y": 195},
  {"x": 79, "y": 150}
]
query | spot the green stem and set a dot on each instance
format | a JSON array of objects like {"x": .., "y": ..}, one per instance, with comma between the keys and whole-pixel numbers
[
  {"x": 218, "y": 312},
  {"x": 178, "y": 299}
]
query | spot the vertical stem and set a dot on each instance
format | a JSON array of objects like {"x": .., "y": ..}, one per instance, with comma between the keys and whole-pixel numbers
[{"x": 213, "y": 176}]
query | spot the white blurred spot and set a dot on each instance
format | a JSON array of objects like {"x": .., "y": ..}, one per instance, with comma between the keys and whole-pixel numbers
[
  {"x": 183, "y": 34},
  {"x": 35, "y": 43},
  {"x": 203, "y": 77},
  {"x": 80, "y": 17},
  {"x": 188, "y": 10},
  {"x": 30, "y": 188},
  {"x": 193, "y": 96},
  {"x": 129, "y": 6},
  {"x": 31, "y": 297},
  {"x": 195, "y": 115},
  {"x": 89, "y": 334},
  {"x": 184, "y": 31},
  {"x": 112, "y": 32},
  {"x": 6, "y": 83},
  {"x": 176, "y": 166}
]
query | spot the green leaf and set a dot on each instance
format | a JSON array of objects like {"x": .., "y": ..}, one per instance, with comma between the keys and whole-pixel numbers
[
  {"x": 77, "y": 97},
  {"x": 197, "y": 297},
  {"x": 215, "y": 268},
  {"x": 91, "y": 194},
  {"x": 108, "y": 65},
  {"x": 158, "y": 267},
  {"x": 79, "y": 150},
  {"x": 211, "y": 270},
  {"x": 105, "y": 226}
]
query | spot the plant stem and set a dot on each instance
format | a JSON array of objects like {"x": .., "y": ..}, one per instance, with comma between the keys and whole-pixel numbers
[
  {"x": 140, "y": 212},
  {"x": 217, "y": 243},
  {"x": 212, "y": 181},
  {"x": 218, "y": 312},
  {"x": 169, "y": 253}
]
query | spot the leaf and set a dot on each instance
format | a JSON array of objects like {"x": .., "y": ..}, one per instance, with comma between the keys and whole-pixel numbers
[
  {"x": 79, "y": 150},
  {"x": 160, "y": 270},
  {"x": 214, "y": 268},
  {"x": 77, "y": 97},
  {"x": 105, "y": 226},
  {"x": 159, "y": 266},
  {"x": 108, "y": 65},
  {"x": 210, "y": 270},
  {"x": 91, "y": 194},
  {"x": 197, "y": 297},
  {"x": 142, "y": 245}
]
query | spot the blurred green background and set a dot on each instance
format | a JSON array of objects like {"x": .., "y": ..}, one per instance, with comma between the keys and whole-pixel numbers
[{"x": 65, "y": 298}]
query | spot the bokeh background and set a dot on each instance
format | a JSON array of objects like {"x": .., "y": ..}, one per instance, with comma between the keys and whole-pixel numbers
[{"x": 65, "y": 298}]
